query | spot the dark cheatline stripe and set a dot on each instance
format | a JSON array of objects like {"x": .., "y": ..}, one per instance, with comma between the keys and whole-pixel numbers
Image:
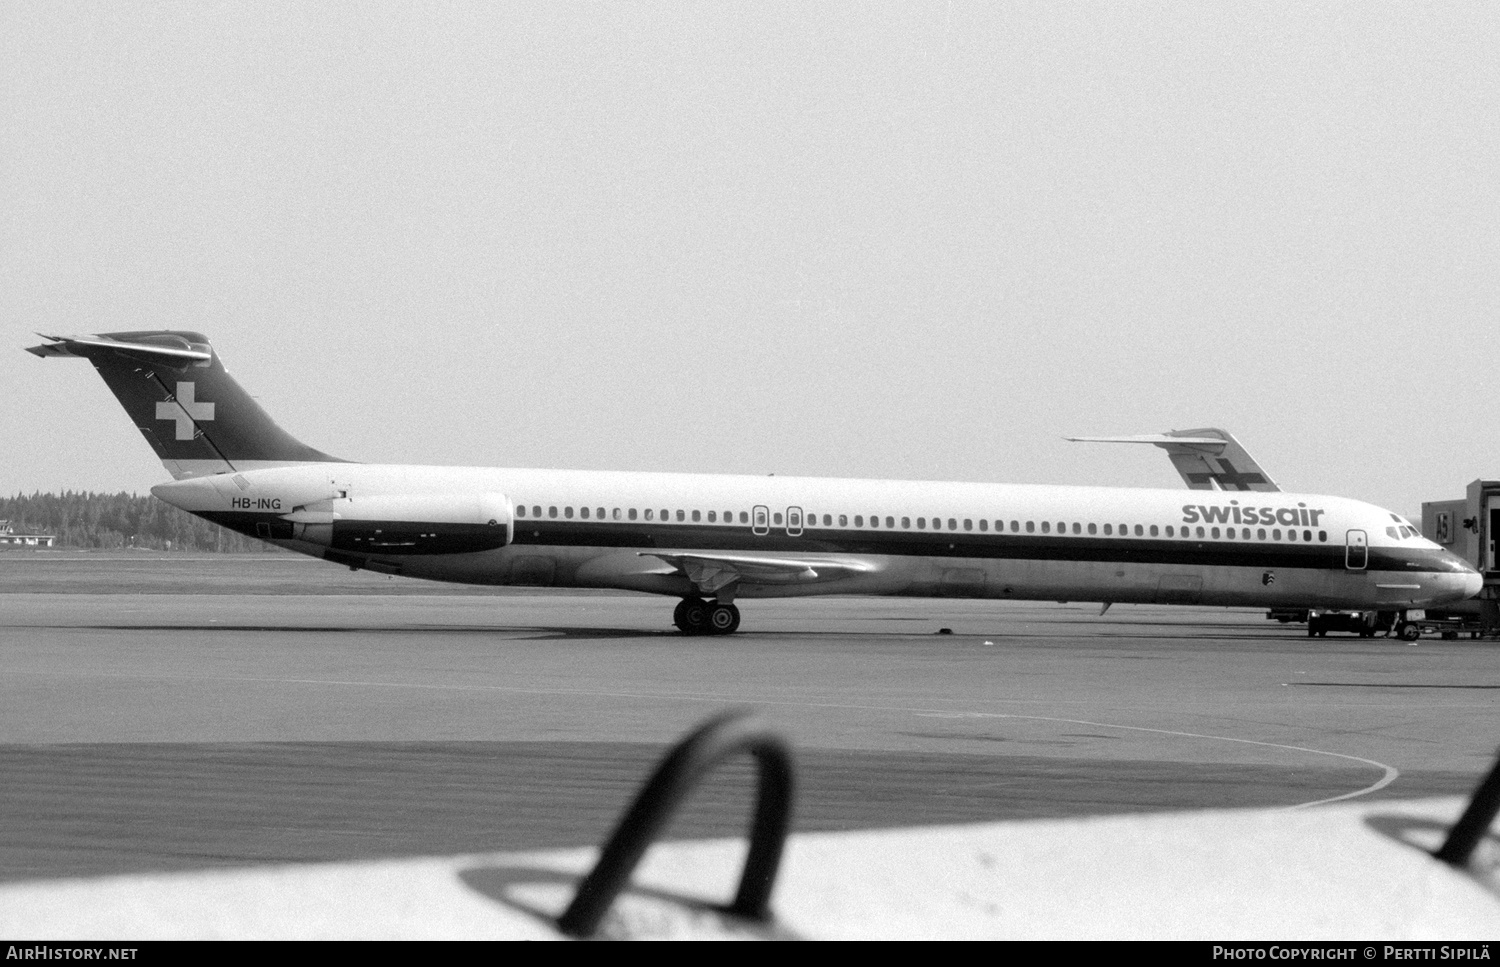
[
  {"x": 894, "y": 543},
  {"x": 1017, "y": 547}
]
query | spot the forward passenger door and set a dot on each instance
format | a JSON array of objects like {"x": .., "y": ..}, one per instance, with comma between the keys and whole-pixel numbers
[{"x": 1356, "y": 550}]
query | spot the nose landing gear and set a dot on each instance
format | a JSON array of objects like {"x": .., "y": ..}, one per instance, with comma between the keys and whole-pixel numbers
[{"x": 694, "y": 616}]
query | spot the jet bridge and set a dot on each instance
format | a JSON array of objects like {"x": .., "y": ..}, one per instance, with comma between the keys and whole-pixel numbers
[{"x": 1470, "y": 528}]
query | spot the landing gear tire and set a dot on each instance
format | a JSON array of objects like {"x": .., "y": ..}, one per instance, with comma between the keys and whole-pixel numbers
[
  {"x": 694, "y": 616},
  {"x": 691, "y": 616},
  {"x": 723, "y": 619}
]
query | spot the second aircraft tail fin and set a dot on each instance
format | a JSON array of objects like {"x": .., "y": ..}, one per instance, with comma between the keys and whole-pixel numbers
[{"x": 1207, "y": 458}]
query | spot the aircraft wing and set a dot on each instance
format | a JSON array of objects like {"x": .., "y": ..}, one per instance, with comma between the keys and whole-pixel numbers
[
  {"x": 1206, "y": 458},
  {"x": 711, "y": 572}
]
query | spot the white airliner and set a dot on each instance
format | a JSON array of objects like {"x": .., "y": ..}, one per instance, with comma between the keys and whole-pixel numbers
[{"x": 711, "y": 539}]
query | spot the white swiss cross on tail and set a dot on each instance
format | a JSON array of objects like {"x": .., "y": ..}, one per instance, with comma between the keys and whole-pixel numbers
[{"x": 185, "y": 410}]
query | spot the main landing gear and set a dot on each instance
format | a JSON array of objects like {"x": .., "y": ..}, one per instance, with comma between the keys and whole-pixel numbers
[{"x": 698, "y": 617}]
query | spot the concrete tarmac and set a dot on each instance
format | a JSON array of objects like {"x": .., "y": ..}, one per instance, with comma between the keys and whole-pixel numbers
[{"x": 162, "y": 712}]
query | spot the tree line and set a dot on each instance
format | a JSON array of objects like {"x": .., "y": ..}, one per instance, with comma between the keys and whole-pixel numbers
[{"x": 117, "y": 521}]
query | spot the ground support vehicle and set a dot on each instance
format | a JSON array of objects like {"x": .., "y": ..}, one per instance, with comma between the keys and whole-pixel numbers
[{"x": 1366, "y": 624}]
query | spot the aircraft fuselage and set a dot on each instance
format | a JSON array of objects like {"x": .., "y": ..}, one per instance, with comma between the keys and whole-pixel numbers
[{"x": 658, "y": 532}]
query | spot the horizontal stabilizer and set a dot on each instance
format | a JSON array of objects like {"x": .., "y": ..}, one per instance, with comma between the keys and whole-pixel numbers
[
  {"x": 1208, "y": 444},
  {"x": 180, "y": 351},
  {"x": 1206, "y": 458}
]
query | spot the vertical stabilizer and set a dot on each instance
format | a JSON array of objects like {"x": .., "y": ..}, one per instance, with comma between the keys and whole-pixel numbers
[
  {"x": 192, "y": 412},
  {"x": 1207, "y": 458}
]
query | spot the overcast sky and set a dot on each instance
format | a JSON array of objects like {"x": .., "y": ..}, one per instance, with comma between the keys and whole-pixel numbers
[{"x": 880, "y": 240}]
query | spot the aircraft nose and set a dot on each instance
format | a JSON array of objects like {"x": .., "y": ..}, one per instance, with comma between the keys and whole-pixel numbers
[{"x": 1472, "y": 583}]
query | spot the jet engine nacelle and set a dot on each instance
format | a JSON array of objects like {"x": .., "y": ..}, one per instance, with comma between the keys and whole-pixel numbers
[{"x": 401, "y": 524}]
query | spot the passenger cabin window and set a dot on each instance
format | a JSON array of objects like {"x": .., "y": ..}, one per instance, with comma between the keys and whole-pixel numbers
[
  {"x": 1093, "y": 528},
  {"x": 1109, "y": 530},
  {"x": 921, "y": 523},
  {"x": 551, "y": 511},
  {"x": 1031, "y": 527},
  {"x": 584, "y": 513},
  {"x": 1046, "y": 527},
  {"x": 696, "y": 517},
  {"x": 906, "y": 523},
  {"x": 520, "y": 510}
]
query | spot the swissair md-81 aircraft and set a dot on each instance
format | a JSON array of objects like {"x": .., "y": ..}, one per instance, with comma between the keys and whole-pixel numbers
[{"x": 711, "y": 539}]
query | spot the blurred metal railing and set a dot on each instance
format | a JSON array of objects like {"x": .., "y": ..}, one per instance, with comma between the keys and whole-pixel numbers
[{"x": 689, "y": 761}]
